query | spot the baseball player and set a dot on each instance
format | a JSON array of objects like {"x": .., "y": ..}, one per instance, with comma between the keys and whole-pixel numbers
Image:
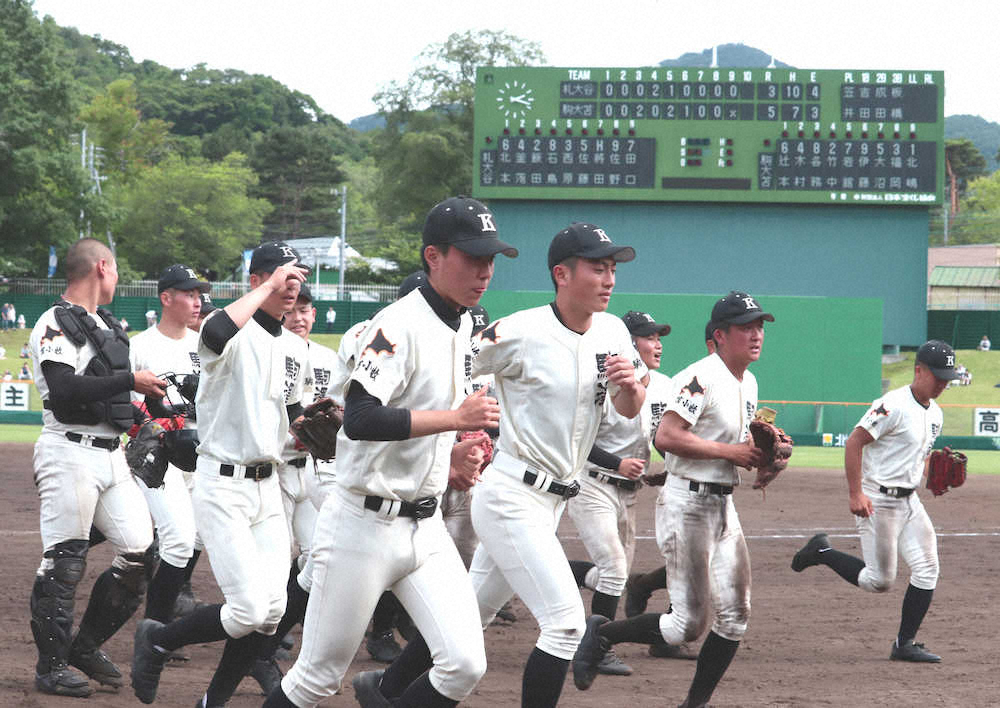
[
  {"x": 251, "y": 387},
  {"x": 603, "y": 512},
  {"x": 171, "y": 347},
  {"x": 81, "y": 369},
  {"x": 380, "y": 528},
  {"x": 568, "y": 356},
  {"x": 885, "y": 458},
  {"x": 706, "y": 431}
]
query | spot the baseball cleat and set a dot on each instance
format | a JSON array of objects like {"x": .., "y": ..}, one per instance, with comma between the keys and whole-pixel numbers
[
  {"x": 383, "y": 647},
  {"x": 809, "y": 554},
  {"x": 913, "y": 651},
  {"x": 662, "y": 650},
  {"x": 98, "y": 666},
  {"x": 635, "y": 599},
  {"x": 267, "y": 674},
  {"x": 506, "y": 613},
  {"x": 589, "y": 653},
  {"x": 366, "y": 689},
  {"x": 612, "y": 665},
  {"x": 63, "y": 681},
  {"x": 147, "y": 662}
]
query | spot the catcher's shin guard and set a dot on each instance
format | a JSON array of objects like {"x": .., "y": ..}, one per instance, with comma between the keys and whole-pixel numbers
[{"x": 52, "y": 604}]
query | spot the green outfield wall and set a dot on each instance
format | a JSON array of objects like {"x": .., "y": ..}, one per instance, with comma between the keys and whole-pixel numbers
[{"x": 766, "y": 250}]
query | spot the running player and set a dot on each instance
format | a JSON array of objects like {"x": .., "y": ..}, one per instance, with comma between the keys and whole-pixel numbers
[
  {"x": 82, "y": 372},
  {"x": 706, "y": 430},
  {"x": 251, "y": 385},
  {"x": 380, "y": 528},
  {"x": 885, "y": 459}
]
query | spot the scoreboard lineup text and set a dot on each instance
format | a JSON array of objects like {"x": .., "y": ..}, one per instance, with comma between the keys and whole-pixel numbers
[{"x": 707, "y": 134}]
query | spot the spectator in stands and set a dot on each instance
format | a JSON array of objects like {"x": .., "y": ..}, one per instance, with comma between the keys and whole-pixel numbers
[
  {"x": 25, "y": 351},
  {"x": 984, "y": 344},
  {"x": 331, "y": 317},
  {"x": 24, "y": 374}
]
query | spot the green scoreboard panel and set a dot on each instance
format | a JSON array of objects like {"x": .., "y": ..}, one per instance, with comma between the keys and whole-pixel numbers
[{"x": 704, "y": 134}]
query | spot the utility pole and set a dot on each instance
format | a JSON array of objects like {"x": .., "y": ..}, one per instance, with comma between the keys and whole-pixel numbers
[{"x": 343, "y": 238}]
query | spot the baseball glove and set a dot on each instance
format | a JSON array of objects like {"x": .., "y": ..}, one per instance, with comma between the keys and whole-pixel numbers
[
  {"x": 484, "y": 442},
  {"x": 946, "y": 469},
  {"x": 146, "y": 456},
  {"x": 180, "y": 448},
  {"x": 776, "y": 447},
  {"x": 318, "y": 427}
]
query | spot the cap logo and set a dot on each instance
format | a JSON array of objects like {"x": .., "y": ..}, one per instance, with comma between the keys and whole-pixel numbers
[
  {"x": 750, "y": 303},
  {"x": 287, "y": 252},
  {"x": 191, "y": 274},
  {"x": 487, "y": 222},
  {"x": 649, "y": 318},
  {"x": 604, "y": 238},
  {"x": 949, "y": 360}
]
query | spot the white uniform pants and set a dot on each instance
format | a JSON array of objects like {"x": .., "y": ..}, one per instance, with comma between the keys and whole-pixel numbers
[
  {"x": 456, "y": 508},
  {"x": 708, "y": 564},
  {"x": 897, "y": 527},
  {"x": 80, "y": 485},
  {"x": 318, "y": 487},
  {"x": 519, "y": 552},
  {"x": 604, "y": 516},
  {"x": 357, "y": 555},
  {"x": 173, "y": 516},
  {"x": 300, "y": 512},
  {"x": 243, "y": 527}
]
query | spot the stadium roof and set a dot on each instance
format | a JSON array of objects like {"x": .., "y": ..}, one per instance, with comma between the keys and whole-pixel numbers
[{"x": 965, "y": 277}]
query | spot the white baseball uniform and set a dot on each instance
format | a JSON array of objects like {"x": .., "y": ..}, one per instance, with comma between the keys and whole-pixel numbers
[
  {"x": 891, "y": 466},
  {"x": 78, "y": 483},
  {"x": 552, "y": 385},
  {"x": 241, "y": 403},
  {"x": 603, "y": 512},
  {"x": 169, "y": 505},
  {"x": 697, "y": 527},
  {"x": 364, "y": 543}
]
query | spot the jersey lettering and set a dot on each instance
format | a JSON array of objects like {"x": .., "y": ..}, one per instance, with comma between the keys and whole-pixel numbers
[
  {"x": 195, "y": 361},
  {"x": 321, "y": 380},
  {"x": 292, "y": 368},
  {"x": 602, "y": 379}
]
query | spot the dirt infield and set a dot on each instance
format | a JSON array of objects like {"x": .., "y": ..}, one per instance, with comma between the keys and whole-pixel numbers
[{"x": 813, "y": 639}]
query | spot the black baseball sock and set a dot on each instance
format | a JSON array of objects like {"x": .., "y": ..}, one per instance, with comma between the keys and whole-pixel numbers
[
  {"x": 915, "y": 605},
  {"x": 407, "y": 668},
  {"x": 163, "y": 590},
  {"x": 385, "y": 613},
  {"x": 651, "y": 581},
  {"x": 603, "y": 604},
  {"x": 295, "y": 612},
  {"x": 236, "y": 662},
  {"x": 189, "y": 569},
  {"x": 278, "y": 699},
  {"x": 641, "y": 629},
  {"x": 713, "y": 660},
  {"x": 580, "y": 570},
  {"x": 844, "y": 564},
  {"x": 202, "y": 625},
  {"x": 421, "y": 694},
  {"x": 544, "y": 676}
]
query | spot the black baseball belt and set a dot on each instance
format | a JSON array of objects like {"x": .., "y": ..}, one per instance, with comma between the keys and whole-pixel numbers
[
  {"x": 898, "y": 492},
  {"x": 298, "y": 462},
  {"x": 709, "y": 488},
  {"x": 629, "y": 485},
  {"x": 419, "y": 509},
  {"x": 566, "y": 491},
  {"x": 110, "y": 444},
  {"x": 254, "y": 472}
]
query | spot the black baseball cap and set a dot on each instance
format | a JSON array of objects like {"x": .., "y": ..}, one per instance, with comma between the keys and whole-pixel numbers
[
  {"x": 939, "y": 357},
  {"x": 710, "y": 331},
  {"x": 268, "y": 256},
  {"x": 642, "y": 324},
  {"x": 480, "y": 318},
  {"x": 305, "y": 293},
  {"x": 466, "y": 224},
  {"x": 411, "y": 282},
  {"x": 180, "y": 277},
  {"x": 586, "y": 241},
  {"x": 206, "y": 304},
  {"x": 738, "y": 308}
]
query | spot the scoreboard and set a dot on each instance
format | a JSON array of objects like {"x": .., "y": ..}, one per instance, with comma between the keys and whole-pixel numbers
[{"x": 709, "y": 134}]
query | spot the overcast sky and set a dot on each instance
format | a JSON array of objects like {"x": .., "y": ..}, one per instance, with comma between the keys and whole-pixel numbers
[{"x": 340, "y": 53}]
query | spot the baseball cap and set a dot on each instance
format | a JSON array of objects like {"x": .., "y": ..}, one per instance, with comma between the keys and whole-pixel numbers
[
  {"x": 305, "y": 293},
  {"x": 206, "y": 304},
  {"x": 268, "y": 256},
  {"x": 480, "y": 318},
  {"x": 642, "y": 324},
  {"x": 466, "y": 224},
  {"x": 180, "y": 277},
  {"x": 709, "y": 330},
  {"x": 738, "y": 308},
  {"x": 586, "y": 241},
  {"x": 411, "y": 282},
  {"x": 939, "y": 357}
]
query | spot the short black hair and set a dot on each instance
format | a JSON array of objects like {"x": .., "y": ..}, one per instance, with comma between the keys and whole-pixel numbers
[{"x": 569, "y": 263}]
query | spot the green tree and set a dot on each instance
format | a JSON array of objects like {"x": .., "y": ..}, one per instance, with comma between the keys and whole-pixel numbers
[
  {"x": 189, "y": 211},
  {"x": 978, "y": 221},
  {"x": 42, "y": 188},
  {"x": 966, "y": 162}
]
